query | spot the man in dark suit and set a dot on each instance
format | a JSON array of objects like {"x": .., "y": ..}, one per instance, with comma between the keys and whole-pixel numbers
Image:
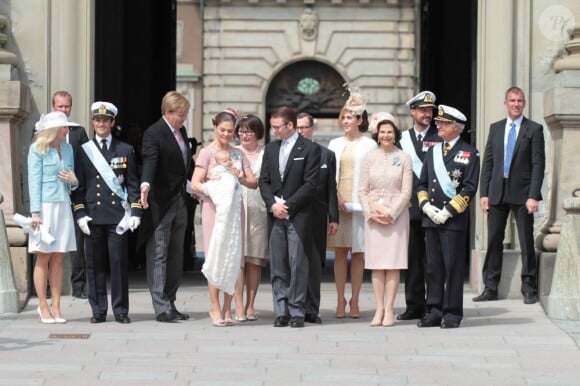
[
  {"x": 416, "y": 142},
  {"x": 288, "y": 181},
  {"x": 166, "y": 160},
  {"x": 62, "y": 101},
  {"x": 106, "y": 205},
  {"x": 325, "y": 220},
  {"x": 511, "y": 181},
  {"x": 448, "y": 183}
]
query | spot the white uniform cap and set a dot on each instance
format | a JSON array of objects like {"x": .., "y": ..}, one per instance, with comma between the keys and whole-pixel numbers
[
  {"x": 450, "y": 114},
  {"x": 106, "y": 109},
  {"x": 423, "y": 99}
]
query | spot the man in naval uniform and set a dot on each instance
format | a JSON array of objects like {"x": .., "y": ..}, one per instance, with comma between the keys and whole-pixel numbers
[
  {"x": 106, "y": 205},
  {"x": 447, "y": 185},
  {"x": 416, "y": 142}
]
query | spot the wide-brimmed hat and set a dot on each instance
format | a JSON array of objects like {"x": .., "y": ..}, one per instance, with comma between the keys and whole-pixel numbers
[{"x": 52, "y": 120}]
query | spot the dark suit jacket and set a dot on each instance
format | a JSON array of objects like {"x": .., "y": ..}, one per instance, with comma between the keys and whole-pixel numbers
[
  {"x": 76, "y": 137},
  {"x": 527, "y": 168},
  {"x": 462, "y": 164},
  {"x": 163, "y": 167},
  {"x": 93, "y": 197},
  {"x": 298, "y": 187},
  {"x": 326, "y": 203},
  {"x": 430, "y": 139}
]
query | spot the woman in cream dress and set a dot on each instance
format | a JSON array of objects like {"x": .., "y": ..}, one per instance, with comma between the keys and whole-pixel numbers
[
  {"x": 385, "y": 194},
  {"x": 250, "y": 130},
  {"x": 350, "y": 151}
]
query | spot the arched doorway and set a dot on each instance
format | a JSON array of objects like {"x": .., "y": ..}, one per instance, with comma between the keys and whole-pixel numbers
[{"x": 309, "y": 86}]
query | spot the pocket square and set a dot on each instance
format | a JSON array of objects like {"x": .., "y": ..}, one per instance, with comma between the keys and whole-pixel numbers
[
  {"x": 299, "y": 159},
  {"x": 324, "y": 166}
]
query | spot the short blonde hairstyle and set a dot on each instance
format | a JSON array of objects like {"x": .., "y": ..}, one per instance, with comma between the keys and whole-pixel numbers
[{"x": 174, "y": 102}]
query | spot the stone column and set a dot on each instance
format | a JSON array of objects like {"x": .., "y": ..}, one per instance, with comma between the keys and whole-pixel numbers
[
  {"x": 563, "y": 118},
  {"x": 14, "y": 108},
  {"x": 564, "y": 298},
  {"x": 8, "y": 295}
]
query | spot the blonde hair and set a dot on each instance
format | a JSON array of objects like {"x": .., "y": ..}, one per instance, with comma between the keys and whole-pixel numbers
[
  {"x": 174, "y": 102},
  {"x": 44, "y": 138}
]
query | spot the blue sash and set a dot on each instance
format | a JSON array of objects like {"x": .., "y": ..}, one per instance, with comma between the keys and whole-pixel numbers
[
  {"x": 104, "y": 169},
  {"x": 441, "y": 171},
  {"x": 407, "y": 145}
]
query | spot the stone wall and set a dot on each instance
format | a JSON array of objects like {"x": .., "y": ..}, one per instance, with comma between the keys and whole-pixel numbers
[{"x": 245, "y": 47}]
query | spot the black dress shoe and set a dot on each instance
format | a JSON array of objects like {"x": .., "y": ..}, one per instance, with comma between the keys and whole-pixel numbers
[
  {"x": 281, "y": 321},
  {"x": 449, "y": 324},
  {"x": 530, "y": 298},
  {"x": 98, "y": 318},
  {"x": 311, "y": 318},
  {"x": 429, "y": 322},
  {"x": 410, "y": 315},
  {"x": 297, "y": 321},
  {"x": 181, "y": 316},
  {"x": 486, "y": 295},
  {"x": 122, "y": 318},
  {"x": 167, "y": 317},
  {"x": 80, "y": 295}
]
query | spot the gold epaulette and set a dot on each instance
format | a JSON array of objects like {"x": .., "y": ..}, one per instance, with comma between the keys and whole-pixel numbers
[
  {"x": 422, "y": 196},
  {"x": 459, "y": 203},
  {"x": 78, "y": 207},
  {"x": 136, "y": 205}
]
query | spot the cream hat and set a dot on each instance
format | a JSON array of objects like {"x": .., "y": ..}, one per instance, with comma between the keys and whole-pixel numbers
[
  {"x": 51, "y": 120},
  {"x": 379, "y": 117}
]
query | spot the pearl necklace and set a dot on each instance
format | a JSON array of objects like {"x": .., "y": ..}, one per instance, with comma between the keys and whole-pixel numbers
[{"x": 252, "y": 152}]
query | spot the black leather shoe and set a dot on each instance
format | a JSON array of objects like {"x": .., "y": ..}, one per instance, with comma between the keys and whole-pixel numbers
[
  {"x": 486, "y": 295},
  {"x": 98, "y": 318},
  {"x": 80, "y": 295},
  {"x": 311, "y": 318},
  {"x": 167, "y": 317},
  {"x": 122, "y": 318},
  {"x": 410, "y": 315},
  {"x": 181, "y": 316},
  {"x": 530, "y": 298},
  {"x": 281, "y": 321},
  {"x": 449, "y": 324},
  {"x": 428, "y": 322},
  {"x": 297, "y": 321}
]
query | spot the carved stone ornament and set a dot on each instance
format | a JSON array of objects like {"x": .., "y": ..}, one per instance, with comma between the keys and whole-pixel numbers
[{"x": 308, "y": 24}]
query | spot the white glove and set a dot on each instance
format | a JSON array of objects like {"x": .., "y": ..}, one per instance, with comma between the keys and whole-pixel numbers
[
  {"x": 84, "y": 224},
  {"x": 430, "y": 211},
  {"x": 442, "y": 216},
  {"x": 134, "y": 223}
]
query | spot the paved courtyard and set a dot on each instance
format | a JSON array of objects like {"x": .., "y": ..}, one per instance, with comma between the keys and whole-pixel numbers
[{"x": 499, "y": 343}]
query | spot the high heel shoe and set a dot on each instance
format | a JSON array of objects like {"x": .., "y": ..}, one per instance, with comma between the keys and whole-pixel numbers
[
  {"x": 354, "y": 310},
  {"x": 45, "y": 320},
  {"x": 59, "y": 320},
  {"x": 377, "y": 319},
  {"x": 341, "y": 309},
  {"x": 389, "y": 319}
]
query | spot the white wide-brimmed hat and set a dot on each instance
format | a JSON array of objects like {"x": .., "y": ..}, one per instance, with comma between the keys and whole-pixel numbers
[{"x": 53, "y": 119}]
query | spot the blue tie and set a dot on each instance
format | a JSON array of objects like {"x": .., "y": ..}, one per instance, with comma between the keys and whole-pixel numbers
[{"x": 509, "y": 150}]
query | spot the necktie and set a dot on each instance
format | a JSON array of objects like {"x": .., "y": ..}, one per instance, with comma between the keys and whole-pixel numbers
[
  {"x": 419, "y": 138},
  {"x": 447, "y": 148},
  {"x": 509, "y": 150},
  {"x": 104, "y": 145},
  {"x": 283, "y": 157},
  {"x": 181, "y": 144}
]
